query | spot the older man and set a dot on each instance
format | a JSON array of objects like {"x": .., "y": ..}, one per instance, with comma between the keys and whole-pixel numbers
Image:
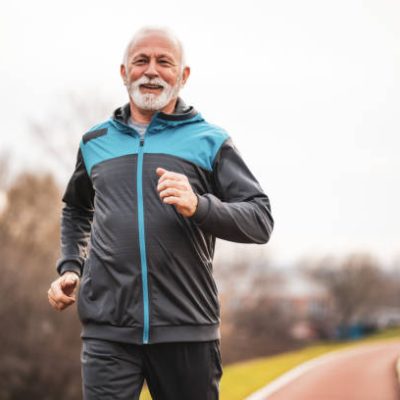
[{"x": 153, "y": 187}]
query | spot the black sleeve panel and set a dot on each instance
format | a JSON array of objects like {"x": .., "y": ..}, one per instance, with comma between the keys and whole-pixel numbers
[
  {"x": 240, "y": 211},
  {"x": 76, "y": 219}
]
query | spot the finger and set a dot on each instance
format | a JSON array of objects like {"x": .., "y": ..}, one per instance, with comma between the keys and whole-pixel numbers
[
  {"x": 56, "y": 288},
  {"x": 171, "y": 184},
  {"x": 69, "y": 281},
  {"x": 50, "y": 296},
  {"x": 53, "y": 303},
  {"x": 169, "y": 176},
  {"x": 70, "y": 284},
  {"x": 160, "y": 171},
  {"x": 57, "y": 294},
  {"x": 62, "y": 302},
  {"x": 174, "y": 200},
  {"x": 173, "y": 176},
  {"x": 170, "y": 192},
  {"x": 58, "y": 306}
]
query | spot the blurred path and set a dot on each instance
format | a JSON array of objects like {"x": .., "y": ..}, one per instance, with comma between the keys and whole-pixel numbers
[{"x": 367, "y": 372}]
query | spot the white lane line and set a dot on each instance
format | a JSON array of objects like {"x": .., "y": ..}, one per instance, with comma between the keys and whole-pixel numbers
[{"x": 296, "y": 372}]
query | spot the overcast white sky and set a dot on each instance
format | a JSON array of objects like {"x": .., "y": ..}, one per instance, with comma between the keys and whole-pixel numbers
[{"x": 309, "y": 91}]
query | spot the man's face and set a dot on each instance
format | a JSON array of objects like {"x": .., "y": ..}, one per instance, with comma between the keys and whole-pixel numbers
[{"x": 153, "y": 73}]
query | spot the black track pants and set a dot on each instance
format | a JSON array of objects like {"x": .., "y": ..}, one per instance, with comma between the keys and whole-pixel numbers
[{"x": 173, "y": 371}]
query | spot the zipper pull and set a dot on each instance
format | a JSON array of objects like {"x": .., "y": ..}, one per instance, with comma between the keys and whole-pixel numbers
[{"x": 141, "y": 141}]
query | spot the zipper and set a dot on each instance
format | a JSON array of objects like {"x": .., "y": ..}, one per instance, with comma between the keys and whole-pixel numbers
[{"x": 142, "y": 243}]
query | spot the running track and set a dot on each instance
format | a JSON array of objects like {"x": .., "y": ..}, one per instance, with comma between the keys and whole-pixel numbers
[{"x": 367, "y": 372}]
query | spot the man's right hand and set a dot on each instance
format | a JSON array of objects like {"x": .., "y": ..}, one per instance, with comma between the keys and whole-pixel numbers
[{"x": 62, "y": 291}]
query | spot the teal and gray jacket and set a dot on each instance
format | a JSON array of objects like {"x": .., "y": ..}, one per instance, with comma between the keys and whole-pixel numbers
[{"x": 146, "y": 271}]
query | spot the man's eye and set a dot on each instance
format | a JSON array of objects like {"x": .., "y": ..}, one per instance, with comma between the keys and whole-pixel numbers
[
  {"x": 164, "y": 62},
  {"x": 139, "y": 62}
]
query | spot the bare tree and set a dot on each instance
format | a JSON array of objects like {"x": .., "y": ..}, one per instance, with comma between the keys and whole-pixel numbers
[
  {"x": 355, "y": 285},
  {"x": 255, "y": 321},
  {"x": 60, "y": 132},
  {"x": 40, "y": 348}
]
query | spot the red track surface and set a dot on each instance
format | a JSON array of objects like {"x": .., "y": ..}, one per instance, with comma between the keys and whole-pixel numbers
[{"x": 367, "y": 373}]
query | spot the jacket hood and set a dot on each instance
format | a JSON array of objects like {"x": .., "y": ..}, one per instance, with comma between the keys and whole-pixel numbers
[{"x": 182, "y": 114}]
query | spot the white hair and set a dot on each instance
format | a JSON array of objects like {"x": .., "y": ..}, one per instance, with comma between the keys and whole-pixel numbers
[{"x": 155, "y": 29}]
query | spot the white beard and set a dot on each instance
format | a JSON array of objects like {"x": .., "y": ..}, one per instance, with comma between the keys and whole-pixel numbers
[{"x": 152, "y": 101}]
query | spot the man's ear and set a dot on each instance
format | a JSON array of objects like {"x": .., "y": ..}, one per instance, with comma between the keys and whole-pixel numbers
[
  {"x": 185, "y": 75},
  {"x": 122, "y": 71}
]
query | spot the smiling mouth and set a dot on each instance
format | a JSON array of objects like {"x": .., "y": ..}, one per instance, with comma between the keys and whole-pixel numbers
[{"x": 152, "y": 87}]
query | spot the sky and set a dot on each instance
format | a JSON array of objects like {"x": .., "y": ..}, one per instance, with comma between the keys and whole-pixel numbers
[{"x": 309, "y": 92}]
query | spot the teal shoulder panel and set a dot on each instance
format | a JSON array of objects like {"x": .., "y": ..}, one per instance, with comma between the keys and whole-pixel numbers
[
  {"x": 111, "y": 143},
  {"x": 198, "y": 143}
]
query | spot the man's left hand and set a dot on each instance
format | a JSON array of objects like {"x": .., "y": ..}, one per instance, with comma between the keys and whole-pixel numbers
[{"x": 175, "y": 189}]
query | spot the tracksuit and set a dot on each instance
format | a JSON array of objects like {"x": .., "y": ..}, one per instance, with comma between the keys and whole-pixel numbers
[{"x": 146, "y": 271}]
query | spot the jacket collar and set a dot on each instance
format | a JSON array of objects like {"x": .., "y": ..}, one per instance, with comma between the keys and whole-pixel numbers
[{"x": 182, "y": 112}]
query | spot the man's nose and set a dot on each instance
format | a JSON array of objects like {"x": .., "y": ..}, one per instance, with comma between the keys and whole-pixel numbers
[{"x": 151, "y": 70}]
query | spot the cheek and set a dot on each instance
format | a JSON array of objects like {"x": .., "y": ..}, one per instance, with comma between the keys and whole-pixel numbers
[
  {"x": 134, "y": 74},
  {"x": 170, "y": 78}
]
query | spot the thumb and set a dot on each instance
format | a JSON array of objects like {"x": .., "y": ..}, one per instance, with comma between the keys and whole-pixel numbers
[
  {"x": 69, "y": 280},
  {"x": 160, "y": 171}
]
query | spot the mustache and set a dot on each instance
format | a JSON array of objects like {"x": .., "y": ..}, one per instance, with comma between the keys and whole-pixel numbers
[{"x": 154, "y": 81}]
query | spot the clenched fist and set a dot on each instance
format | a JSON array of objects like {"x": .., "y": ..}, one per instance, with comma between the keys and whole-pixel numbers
[
  {"x": 175, "y": 189},
  {"x": 62, "y": 291}
]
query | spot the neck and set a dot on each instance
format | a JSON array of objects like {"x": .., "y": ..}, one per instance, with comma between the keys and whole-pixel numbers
[{"x": 145, "y": 116}]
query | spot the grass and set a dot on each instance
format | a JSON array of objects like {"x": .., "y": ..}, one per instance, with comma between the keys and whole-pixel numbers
[{"x": 241, "y": 379}]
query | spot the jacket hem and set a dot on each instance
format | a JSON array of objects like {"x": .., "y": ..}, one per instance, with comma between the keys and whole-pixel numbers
[{"x": 158, "y": 334}]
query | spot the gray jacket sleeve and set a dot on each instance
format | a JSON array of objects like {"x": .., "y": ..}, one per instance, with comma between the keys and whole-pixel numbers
[
  {"x": 76, "y": 219},
  {"x": 239, "y": 211}
]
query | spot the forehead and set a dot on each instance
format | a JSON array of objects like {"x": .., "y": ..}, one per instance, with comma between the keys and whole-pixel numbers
[{"x": 155, "y": 44}]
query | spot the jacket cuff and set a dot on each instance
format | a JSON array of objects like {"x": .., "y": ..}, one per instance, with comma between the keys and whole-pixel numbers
[
  {"x": 71, "y": 267},
  {"x": 202, "y": 210}
]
